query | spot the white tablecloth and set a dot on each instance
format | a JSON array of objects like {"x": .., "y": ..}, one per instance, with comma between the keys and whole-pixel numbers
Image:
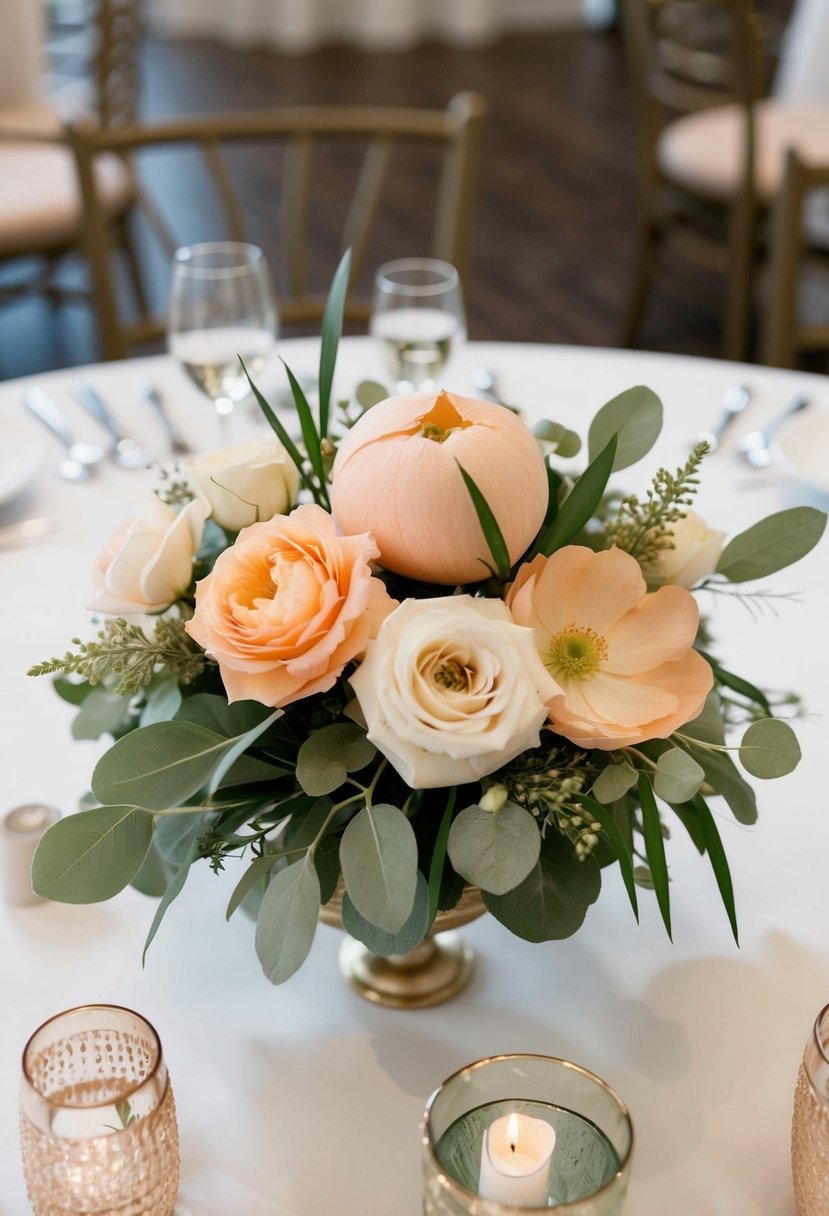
[{"x": 305, "y": 1099}]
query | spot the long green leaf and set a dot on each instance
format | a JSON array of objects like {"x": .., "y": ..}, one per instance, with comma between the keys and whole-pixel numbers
[
  {"x": 719, "y": 862},
  {"x": 580, "y": 504},
  {"x": 332, "y": 327},
  {"x": 240, "y": 745},
  {"x": 173, "y": 891},
  {"x": 439, "y": 855},
  {"x": 738, "y": 684},
  {"x": 611, "y": 829},
  {"x": 655, "y": 849},
  {"x": 310, "y": 434},
  {"x": 489, "y": 526},
  {"x": 282, "y": 435},
  {"x": 91, "y": 856},
  {"x": 773, "y": 543},
  {"x": 258, "y": 868}
]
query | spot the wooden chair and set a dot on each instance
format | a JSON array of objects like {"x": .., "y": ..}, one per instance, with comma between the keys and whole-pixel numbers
[
  {"x": 217, "y": 145},
  {"x": 786, "y": 334},
  {"x": 40, "y": 203},
  {"x": 712, "y": 148}
]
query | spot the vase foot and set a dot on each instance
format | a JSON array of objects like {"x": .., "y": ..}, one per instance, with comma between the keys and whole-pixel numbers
[{"x": 435, "y": 971}]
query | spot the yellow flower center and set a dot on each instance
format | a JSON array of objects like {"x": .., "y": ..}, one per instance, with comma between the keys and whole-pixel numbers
[
  {"x": 576, "y": 652},
  {"x": 451, "y": 675},
  {"x": 442, "y": 420}
]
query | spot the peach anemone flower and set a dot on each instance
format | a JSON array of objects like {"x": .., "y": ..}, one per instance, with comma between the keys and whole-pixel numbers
[
  {"x": 396, "y": 476},
  {"x": 623, "y": 658}
]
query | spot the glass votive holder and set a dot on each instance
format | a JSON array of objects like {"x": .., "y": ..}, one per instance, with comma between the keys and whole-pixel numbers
[
  {"x": 487, "y": 1152},
  {"x": 97, "y": 1117},
  {"x": 21, "y": 831},
  {"x": 810, "y": 1124}
]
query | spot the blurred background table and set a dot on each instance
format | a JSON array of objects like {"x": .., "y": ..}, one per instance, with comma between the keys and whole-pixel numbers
[{"x": 305, "y": 1099}]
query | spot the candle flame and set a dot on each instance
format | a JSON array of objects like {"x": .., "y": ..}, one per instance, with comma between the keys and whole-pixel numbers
[{"x": 512, "y": 1130}]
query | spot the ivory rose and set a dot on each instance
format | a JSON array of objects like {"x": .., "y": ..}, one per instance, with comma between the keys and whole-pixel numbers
[
  {"x": 396, "y": 475},
  {"x": 287, "y": 606},
  {"x": 695, "y": 553},
  {"x": 245, "y": 483},
  {"x": 452, "y": 689},
  {"x": 148, "y": 562},
  {"x": 623, "y": 659}
]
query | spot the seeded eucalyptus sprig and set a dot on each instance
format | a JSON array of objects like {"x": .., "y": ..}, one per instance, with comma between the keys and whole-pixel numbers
[
  {"x": 124, "y": 650},
  {"x": 643, "y": 529}
]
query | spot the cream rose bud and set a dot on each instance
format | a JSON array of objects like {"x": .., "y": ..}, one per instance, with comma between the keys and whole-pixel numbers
[
  {"x": 148, "y": 562},
  {"x": 451, "y": 689},
  {"x": 695, "y": 553},
  {"x": 245, "y": 483}
]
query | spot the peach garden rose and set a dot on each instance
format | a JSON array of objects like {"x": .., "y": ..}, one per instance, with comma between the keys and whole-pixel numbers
[
  {"x": 287, "y": 606},
  {"x": 623, "y": 658},
  {"x": 396, "y": 475}
]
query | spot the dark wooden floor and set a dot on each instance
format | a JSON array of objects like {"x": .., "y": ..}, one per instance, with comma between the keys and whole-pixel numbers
[{"x": 557, "y": 193}]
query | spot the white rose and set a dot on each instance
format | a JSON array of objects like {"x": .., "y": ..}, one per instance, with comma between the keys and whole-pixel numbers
[
  {"x": 451, "y": 689},
  {"x": 245, "y": 483},
  {"x": 695, "y": 553},
  {"x": 148, "y": 562}
]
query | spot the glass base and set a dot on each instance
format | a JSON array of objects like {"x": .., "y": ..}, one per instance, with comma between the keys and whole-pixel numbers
[{"x": 435, "y": 971}]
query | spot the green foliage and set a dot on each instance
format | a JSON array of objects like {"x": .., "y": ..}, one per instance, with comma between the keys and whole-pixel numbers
[
  {"x": 378, "y": 855},
  {"x": 328, "y": 755},
  {"x": 332, "y": 327},
  {"x": 678, "y": 776},
  {"x": 634, "y": 418},
  {"x": 613, "y": 781},
  {"x": 769, "y": 748},
  {"x": 125, "y": 651},
  {"x": 719, "y": 862},
  {"x": 494, "y": 850},
  {"x": 287, "y": 920},
  {"x": 643, "y": 529},
  {"x": 381, "y": 942},
  {"x": 173, "y": 891},
  {"x": 489, "y": 526},
  {"x": 369, "y": 393},
  {"x": 91, "y": 856},
  {"x": 565, "y": 443},
  {"x": 775, "y": 542},
  {"x": 436, "y": 868},
  {"x": 552, "y": 901},
  {"x": 655, "y": 849},
  {"x": 617, "y": 841},
  {"x": 580, "y": 504}
]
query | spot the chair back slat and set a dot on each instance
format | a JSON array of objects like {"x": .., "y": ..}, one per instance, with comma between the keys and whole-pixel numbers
[
  {"x": 296, "y": 183},
  {"x": 365, "y": 202},
  {"x": 225, "y": 191},
  {"x": 118, "y": 27}
]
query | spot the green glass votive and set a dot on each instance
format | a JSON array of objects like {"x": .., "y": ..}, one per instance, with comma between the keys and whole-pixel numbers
[{"x": 528, "y": 1133}]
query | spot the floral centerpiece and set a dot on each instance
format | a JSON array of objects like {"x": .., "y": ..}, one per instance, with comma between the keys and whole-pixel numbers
[{"x": 406, "y": 654}]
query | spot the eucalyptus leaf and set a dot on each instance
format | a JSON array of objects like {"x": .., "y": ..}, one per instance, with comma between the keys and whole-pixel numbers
[
  {"x": 72, "y": 691},
  {"x": 769, "y": 748},
  {"x": 217, "y": 714},
  {"x": 238, "y": 746},
  {"x": 380, "y": 942},
  {"x": 328, "y": 755},
  {"x": 655, "y": 849},
  {"x": 91, "y": 856},
  {"x": 163, "y": 700},
  {"x": 613, "y": 781},
  {"x": 643, "y": 878},
  {"x": 256, "y": 871},
  {"x": 369, "y": 393},
  {"x": 101, "y": 713},
  {"x": 552, "y": 901},
  {"x": 567, "y": 443},
  {"x": 436, "y": 867},
  {"x": 173, "y": 891},
  {"x": 773, "y": 543},
  {"x": 155, "y": 874},
  {"x": 378, "y": 855},
  {"x": 287, "y": 922},
  {"x": 175, "y": 834},
  {"x": 722, "y": 774},
  {"x": 580, "y": 504},
  {"x": 327, "y": 865},
  {"x": 495, "y": 852},
  {"x": 678, "y": 776},
  {"x": 635, "y": 417}
]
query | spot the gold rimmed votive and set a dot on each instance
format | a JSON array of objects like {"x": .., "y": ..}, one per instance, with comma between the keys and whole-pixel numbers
[
  {"x": 810, "y": 1123},
  {"x": 97, "y": 1117},
  {"x": 525, "y": 1133}
]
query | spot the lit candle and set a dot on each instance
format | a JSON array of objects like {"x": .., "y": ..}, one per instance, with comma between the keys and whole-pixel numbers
[
  {"x": 515, "y": 1161},
  {"x": 20, "y": 833}
]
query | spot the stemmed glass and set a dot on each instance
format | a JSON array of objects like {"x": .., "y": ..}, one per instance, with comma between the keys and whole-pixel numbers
[
  {"x": 221, "y": 306},
  {"x": 418, "y": 319}
]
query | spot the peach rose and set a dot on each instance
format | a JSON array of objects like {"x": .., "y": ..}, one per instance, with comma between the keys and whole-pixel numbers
[
  {"x": 148, "y": 562},
  {"x": 396, "y": 475},
  {"x": 287, "y": 606},
  {"x": 623, "y": 658}
]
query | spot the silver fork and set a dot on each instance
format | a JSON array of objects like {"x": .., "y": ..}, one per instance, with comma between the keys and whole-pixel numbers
[
  {"x": 148, "y": 392},
  {"x": 124, "y": 451},
  {"x": 734, "y": 402},
  {"x": 756, "y": 448}
]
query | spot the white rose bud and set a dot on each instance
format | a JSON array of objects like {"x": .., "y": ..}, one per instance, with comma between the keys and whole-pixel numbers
[
  {"x": 695, "y": 553},
  {"x": 245, "y": 483},
  {"x": 452, "y": 689},
  {"x": 148, "y": 562}
]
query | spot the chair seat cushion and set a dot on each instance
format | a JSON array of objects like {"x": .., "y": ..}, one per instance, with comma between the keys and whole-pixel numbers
[
  {"x": 40, "y": 202},
  {"x": 703, "y": 151}
]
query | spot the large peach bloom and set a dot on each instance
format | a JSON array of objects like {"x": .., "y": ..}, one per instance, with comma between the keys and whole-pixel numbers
[
  {"x": 622, "y": 657},
  {"x": 396, "y": 475},
  {"x": 287, "y": 606}
]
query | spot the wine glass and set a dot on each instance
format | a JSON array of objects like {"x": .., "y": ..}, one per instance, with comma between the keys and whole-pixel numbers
[
  {"x": 221, "y": 307},
  {"x": 418, "y": 319}
]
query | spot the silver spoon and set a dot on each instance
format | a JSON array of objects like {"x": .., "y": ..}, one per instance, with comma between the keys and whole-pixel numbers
[
  {"x": 81, "y": 458},
  {"x": 734, "y": 402},
  {"x": 126, "y": 452},
  {"x": 148, "y": 392},
  {"x": 485, "y": 382},
  {"x": 756, "y": 447}
]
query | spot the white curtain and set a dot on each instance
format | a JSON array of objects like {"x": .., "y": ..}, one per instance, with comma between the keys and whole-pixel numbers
[{"x": 301, "y": 25}]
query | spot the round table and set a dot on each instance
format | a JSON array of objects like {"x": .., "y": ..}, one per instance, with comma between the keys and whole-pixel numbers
[{"x": 305, "y": 1099}]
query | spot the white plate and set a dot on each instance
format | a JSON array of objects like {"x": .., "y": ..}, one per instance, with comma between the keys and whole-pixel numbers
[
  {"x": 802, "y": 447},
  {"x": 22, "y": 453}
]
